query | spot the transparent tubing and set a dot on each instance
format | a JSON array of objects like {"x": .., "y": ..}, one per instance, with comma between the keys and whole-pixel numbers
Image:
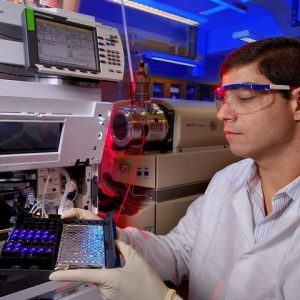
[{"x": 127, "y": 42}]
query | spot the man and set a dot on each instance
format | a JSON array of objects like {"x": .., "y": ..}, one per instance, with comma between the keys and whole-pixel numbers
[{"x": 241, "y": 240}]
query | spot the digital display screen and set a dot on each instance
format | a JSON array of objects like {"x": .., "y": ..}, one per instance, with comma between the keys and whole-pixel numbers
[
  {"x": 29, "y": 137},
  {"x": 65, "y": 45}
]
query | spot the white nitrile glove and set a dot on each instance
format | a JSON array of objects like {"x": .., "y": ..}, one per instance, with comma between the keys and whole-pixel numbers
[{"x": 134, "y": 281}]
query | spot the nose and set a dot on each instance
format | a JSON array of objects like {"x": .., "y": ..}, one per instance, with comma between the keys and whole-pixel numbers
[{"x": 226, "y": 113}]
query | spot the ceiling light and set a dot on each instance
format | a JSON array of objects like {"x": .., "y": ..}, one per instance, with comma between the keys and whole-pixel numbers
[
  {"x": 246, "y": 36},
  {"x": 173, "y": 59},
  {"x": 164, "y": 10}
]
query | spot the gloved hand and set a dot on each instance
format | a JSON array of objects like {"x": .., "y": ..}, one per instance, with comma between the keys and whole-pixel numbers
[
  {"x": 79, "y": 213},
  {"x": 134, "y": 281}
]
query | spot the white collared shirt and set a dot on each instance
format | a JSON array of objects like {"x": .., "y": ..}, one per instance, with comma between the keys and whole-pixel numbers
[
  {"x": 213, "y": 245},
  {"x": 281, "y": 202}
]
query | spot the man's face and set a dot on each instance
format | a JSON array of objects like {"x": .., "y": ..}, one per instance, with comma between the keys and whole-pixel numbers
[{"x": 262, "y": 133}]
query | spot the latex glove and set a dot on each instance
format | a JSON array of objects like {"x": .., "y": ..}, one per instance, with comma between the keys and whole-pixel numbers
[
  {"x": 79, "y": 213},
  {"x": 134, "y": 281}
]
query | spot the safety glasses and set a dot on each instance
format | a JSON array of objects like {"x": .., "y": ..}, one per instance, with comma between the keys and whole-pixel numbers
[{"x": 245, "y": 98}]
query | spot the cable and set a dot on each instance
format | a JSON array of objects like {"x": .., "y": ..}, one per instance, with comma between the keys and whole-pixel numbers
[
  {"x": 39, "y": 205},
  {"x": 41, "y": 202},
  {"x": 66, "y": 191},
  {"x": 76, "y": 195},
  {"x": 44, "y": 194},
  {"x": 60, "y": 202},
  {"x": 132, "y": 176},
  {"x": 6, "y": 230},
  {"x": 127, "y": 42},
  {"x": 138, "y": 52}
]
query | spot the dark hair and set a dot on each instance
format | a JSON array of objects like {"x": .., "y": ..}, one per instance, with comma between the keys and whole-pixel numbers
[{"x": 278, "y": 60}]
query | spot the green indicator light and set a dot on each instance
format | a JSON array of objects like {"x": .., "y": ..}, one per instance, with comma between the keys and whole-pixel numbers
[{"x": 30, "y": 19}]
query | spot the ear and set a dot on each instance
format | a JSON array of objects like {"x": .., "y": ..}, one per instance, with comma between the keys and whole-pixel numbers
[{"x": 296, "y": 103}]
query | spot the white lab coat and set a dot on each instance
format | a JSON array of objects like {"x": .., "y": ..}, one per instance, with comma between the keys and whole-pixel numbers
[{"x": 213, "y": 246}]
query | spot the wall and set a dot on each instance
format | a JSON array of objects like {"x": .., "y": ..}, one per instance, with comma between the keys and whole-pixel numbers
[{"x": 214, "y": 38}]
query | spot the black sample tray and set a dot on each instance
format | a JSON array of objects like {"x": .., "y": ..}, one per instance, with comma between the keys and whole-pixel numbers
[{"x": 46, "y": 244}]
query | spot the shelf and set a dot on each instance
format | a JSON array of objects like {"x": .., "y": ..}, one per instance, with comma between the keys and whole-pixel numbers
[{"x": 180, "y": 89}]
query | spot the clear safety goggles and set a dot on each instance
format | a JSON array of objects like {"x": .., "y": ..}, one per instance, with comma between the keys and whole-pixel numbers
[{"x": 245, "y": 98}]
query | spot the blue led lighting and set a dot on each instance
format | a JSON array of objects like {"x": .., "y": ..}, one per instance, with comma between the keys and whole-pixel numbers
[
  {"x": 226, "y": 5},
  {"x": 213, "y": 10},
  {"x": 25, "y": 251},
  {"x": 32, "y": 250},
  {"x": 172, "y": 10},
  {"x": 179, "y": 60},
  {"x": 30, "y": 243}
]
